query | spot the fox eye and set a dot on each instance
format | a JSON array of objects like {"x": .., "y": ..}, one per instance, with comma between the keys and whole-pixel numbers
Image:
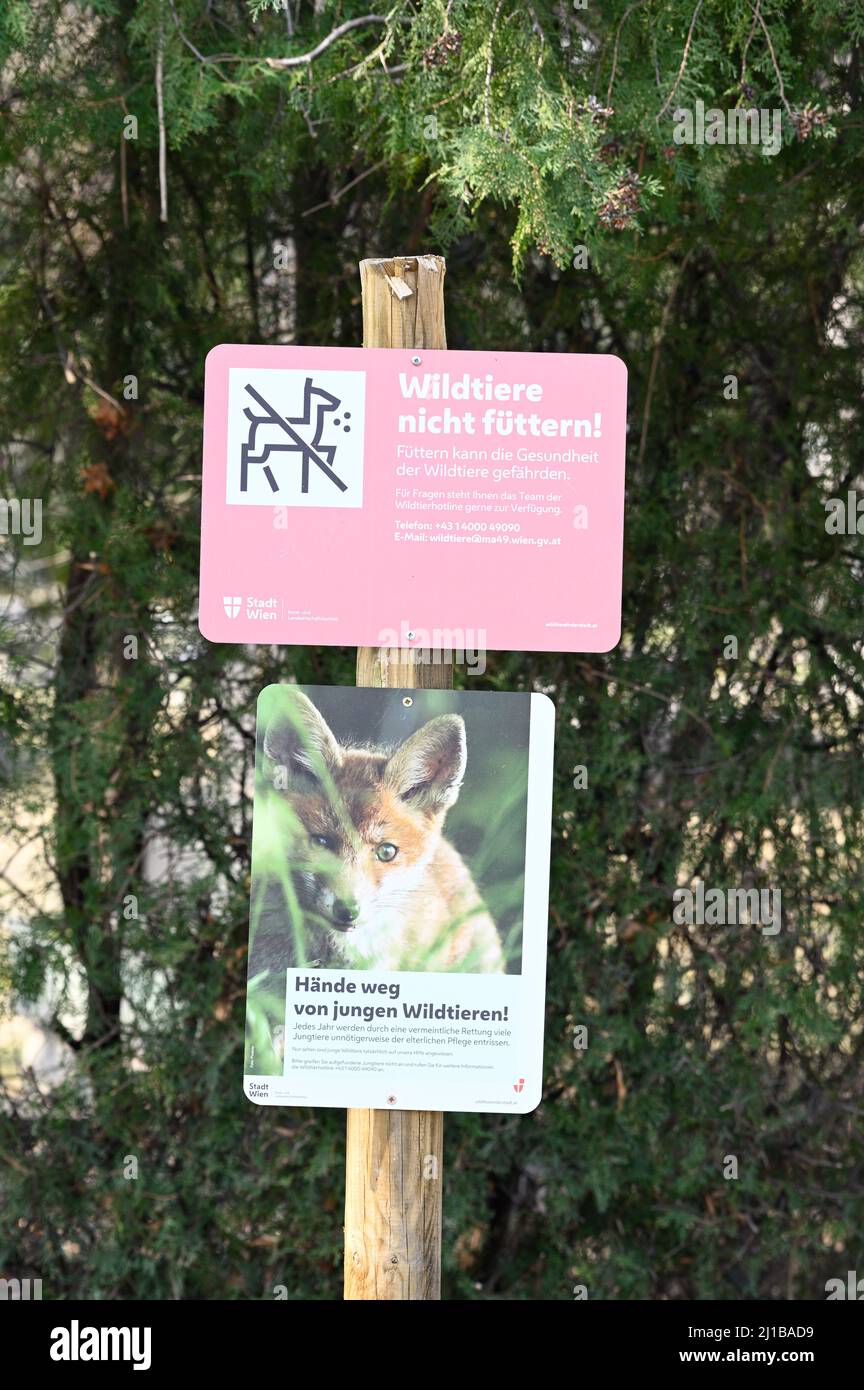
[
  {"x": 386, "y": 852},
  {"x": 325, "y": 841}
]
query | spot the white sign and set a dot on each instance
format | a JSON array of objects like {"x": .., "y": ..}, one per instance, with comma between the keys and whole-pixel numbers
[{"x": 398, "y": 919}]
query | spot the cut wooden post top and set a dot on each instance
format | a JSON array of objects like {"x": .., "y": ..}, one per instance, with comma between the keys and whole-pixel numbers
[{"x": 403, "y": 301}]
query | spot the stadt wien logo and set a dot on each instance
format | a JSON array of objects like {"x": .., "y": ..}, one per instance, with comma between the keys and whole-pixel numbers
[{"x": 295, "y": 438}]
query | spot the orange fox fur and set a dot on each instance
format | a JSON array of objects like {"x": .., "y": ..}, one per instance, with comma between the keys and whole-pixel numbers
[{"x": 377, "y": 884}]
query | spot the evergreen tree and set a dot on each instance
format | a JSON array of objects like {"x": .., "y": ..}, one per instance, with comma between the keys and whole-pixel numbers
[{"x": 174, "y": 175}]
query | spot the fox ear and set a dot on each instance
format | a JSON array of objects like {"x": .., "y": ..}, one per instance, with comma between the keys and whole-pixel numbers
[
  {"x": 428, "y": 768},
  {"x": 300, "y": 740}
]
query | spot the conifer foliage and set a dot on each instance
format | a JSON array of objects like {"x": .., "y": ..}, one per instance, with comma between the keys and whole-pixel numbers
[{"x": 175, "y": 174}]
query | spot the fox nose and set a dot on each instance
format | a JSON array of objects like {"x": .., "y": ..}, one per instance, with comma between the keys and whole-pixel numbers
[{"x": 345, "y": 912}]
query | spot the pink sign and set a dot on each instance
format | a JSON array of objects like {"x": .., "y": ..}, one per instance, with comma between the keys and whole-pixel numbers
[{"x": 390, "y": 497}]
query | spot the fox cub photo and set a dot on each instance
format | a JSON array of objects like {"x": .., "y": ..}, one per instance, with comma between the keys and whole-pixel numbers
[{"x": 369, "y": 879}]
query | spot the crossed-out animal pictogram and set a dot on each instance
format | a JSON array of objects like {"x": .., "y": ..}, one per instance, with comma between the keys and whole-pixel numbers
[{"x": 317, "y": 402}]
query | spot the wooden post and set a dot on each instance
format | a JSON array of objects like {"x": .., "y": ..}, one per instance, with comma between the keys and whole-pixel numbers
[{"x": 395, "y": 1158}]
